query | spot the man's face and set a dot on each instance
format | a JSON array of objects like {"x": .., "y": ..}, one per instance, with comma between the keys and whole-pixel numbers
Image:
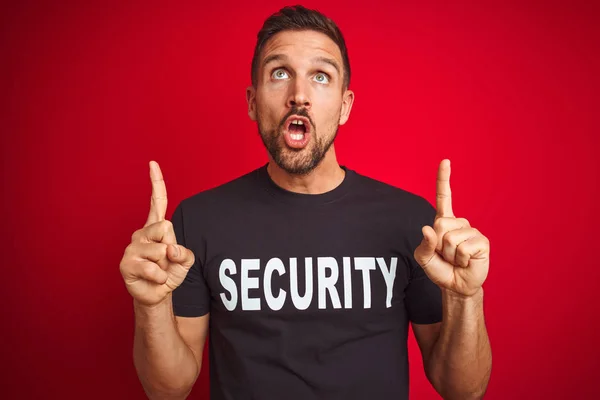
[{"x": 298, "y": 101}]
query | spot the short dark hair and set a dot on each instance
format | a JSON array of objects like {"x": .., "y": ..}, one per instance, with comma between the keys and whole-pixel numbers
[{"x": 299, "y": 18}]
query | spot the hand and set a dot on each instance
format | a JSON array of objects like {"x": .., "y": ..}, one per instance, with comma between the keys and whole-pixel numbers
[
  {"x": 154, "y": 264},
  {"x": 454, "y": 255}
]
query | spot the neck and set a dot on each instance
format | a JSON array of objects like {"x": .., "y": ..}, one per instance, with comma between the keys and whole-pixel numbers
[{"x": 325, "y": 177}]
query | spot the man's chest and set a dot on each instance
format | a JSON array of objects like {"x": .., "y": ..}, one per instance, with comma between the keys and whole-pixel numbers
[{"x": 305, "y": 264}]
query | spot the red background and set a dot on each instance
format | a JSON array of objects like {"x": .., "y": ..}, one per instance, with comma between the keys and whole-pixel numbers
[{"x": 92, "y": 91}]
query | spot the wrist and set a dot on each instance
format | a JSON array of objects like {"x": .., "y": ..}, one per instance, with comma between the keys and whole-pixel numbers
[
  {"x": 153, "y": 309},
  {"x": 457, "y": 306},
  {"x": 452, "y": 295}
]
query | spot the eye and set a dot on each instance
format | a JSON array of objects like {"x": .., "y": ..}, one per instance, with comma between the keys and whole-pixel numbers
[
  {"x": 322, "y": 78},
  {"x": 279, "y": 74}
]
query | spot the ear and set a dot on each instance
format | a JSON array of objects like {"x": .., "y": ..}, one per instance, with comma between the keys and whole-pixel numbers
[
  {"x": 251, "y": 99},
  {"x": 347, "y": 101}
]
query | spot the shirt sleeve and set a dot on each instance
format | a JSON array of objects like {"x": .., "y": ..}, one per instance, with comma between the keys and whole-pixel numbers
[
  {"x": 423, "y": 298},
  {"x": 191, "y": 298}
]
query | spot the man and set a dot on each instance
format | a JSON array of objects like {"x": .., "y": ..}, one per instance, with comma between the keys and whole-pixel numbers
[{"x": 309, "y": 271}]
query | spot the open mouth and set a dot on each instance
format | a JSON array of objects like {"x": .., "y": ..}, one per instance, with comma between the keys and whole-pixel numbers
[{"x": 297, "y": 131}]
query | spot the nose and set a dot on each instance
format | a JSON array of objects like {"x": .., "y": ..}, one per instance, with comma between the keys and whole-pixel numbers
[{"x": 299, "y": 95}]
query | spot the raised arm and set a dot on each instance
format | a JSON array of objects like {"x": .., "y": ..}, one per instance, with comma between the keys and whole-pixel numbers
[
  {"x": 167, "y": 351},
  {"x": 456, "y": 352}
]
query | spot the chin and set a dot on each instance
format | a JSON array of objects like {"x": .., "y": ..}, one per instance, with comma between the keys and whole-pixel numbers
[{"x": 297, "y": 162}]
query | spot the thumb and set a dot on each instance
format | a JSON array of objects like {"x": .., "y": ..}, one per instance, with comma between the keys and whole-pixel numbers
[
  {"x": 426, "y": 249},
  {"x": 180, "y": 255}
]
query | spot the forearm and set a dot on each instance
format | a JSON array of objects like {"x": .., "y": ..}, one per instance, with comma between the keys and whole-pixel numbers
[
  {"x": 165, "y": 365},
  {"x": 461, "y": 360}
]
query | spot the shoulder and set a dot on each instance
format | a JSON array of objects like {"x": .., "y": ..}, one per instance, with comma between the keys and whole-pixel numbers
[
  {"x": 390, "y": 195},
  {"x": 222, "y": 196}
]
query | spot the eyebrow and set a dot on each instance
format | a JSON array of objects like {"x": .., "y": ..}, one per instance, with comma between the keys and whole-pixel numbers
[
  {"x": 329, "y": 61},
  {"x": 320, "y": 59}
]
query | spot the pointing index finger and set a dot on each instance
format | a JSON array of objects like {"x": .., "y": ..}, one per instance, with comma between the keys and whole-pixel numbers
[
  {"x": 444, "y": 194},
  {"x": 158, "y": 202}
]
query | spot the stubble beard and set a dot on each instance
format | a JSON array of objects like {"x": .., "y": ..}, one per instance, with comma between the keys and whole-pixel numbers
[{"x": 296, "y": 161}]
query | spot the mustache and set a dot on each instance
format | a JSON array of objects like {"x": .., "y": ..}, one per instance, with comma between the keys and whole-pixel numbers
[{"x": 301, "y": 112}]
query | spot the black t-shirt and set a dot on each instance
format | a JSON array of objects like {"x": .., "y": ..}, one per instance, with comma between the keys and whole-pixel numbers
[{"x": 309, "y": 295}]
